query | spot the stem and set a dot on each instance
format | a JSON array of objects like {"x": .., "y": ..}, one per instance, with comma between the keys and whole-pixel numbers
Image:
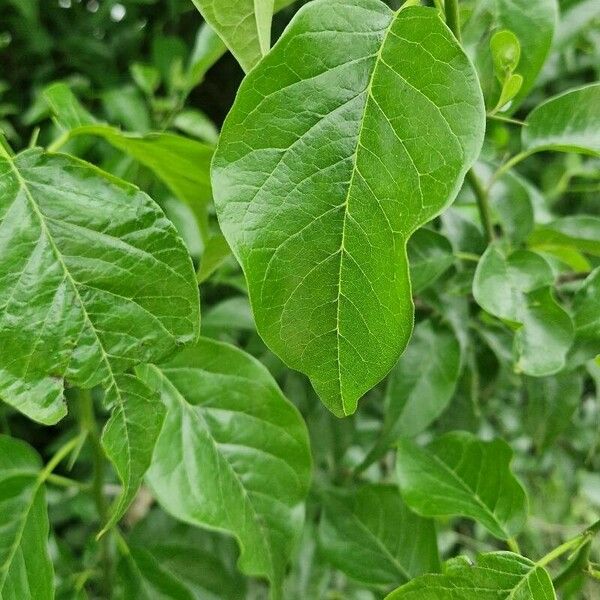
[
  {"x": 572, "y": 544},
  {"x": 576, "y": 567},
  {"x": 59, "y": 142},
  {"x": 513, "y": 545},
  {"x": 88, "y": 423},
  {"x": 61, "y": 453},
  {"x": 509, "y": 164},
  {"x": 452, "y": 17},
  {"x": 503, "y": 119},
  {"x": 467, "y": 256},
  {"x": 483, "y": 204},
  {"x": 65, "y": 482}
]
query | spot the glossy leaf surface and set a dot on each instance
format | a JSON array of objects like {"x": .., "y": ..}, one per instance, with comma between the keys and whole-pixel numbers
[
  {"x": 373, "y": 537},
  {"x": 516, "y": 287},
  {"x": 458, "y": 474},
  {"x": 495, "y": 576},
  {"x": 94, "y": 281},
  {"x": 233, "y": 453},
  {"x": 25, "y": 567},
  {"x": 356, "y": 129}
]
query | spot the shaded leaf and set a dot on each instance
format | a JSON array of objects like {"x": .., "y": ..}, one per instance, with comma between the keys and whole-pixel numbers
[
  {"x": 327, "y": 163},
  {"x": 579, "y": 232},
  {"x": 429, "y": 256},
  {"x": 94, "y": 281},
  {"x": 459, "y": 474},
  {"x": 233, "y": 453},
  {"x": 586, "y": 317}
]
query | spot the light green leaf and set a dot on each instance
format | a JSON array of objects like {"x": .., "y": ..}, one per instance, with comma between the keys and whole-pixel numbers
[
  {"x": 233, "y": 453},
  {"x": 420, "y": 386},
  {"x": 510, "y": 88},
  {"x": 459, "y": 474},
  {"x": 373, "y": 537},
  {"x": 65, "y": 106},
  {"x": 130, "y": 435},
  {"x": 429, "y": 256},
  {"x": 495, "y": 576},
  {"x": 532, "y": 22},
  {"x": 196, "y": 124},
  {"x": 244, "y": 26},
  {"x": 355, "y": 130},
  {"x": 581, "y": 232},
  {"x": 506, "y": 51},
  {"x": 551, "y": 404},
  {"x": 94, "y": 281},
  {"x": 569, "y": 122},
  {"x": 515, "y": 287},
  {"x": 25, "y": 566}
]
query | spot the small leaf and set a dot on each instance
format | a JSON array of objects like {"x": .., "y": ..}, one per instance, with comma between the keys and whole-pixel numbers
[
  {"x": 506, "y": 52},
  {"x": 94, "y": 281},
  {"x": 130, "y": 435},
  {"x": 420, "y": 386},
  {"x": 373, "y": 537},
  {"x": 515, "y": 287},
  {"x": 327, "y": 163},
  {"x": 569, "y": 122},
  {"x": 233, "y": 453},
  {"x": 244, "y": 25},
  {"x": 63, "y": 103},
  {"x": 495, "y": 576},
  {"x": 429, "y": 256},
  {"x": 459, "y": 474},
  {"x": 25, "y": 566},
  {"x": 550, "y": 406},
  {"x": 510, "y": 88}
]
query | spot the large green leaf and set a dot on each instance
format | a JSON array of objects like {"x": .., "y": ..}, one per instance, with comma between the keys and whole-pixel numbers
[
  {"x": 459, "y": 474},
  {"x": 25, "y": 566},
  {"x": 244, "y": 25},
  {"x": 356, "y": 129},
  {"x": 233, "y": 453},
  {"x": 373, "y": 537},
  {"x": 495, "y": 576},
  {"x": 532, "y": 21},
  {"x": 569, "y": 122},
  {"x": 421, "y": 385},
  {"x": 94, "y": 281},
  {"x": 515, "y": 287}
]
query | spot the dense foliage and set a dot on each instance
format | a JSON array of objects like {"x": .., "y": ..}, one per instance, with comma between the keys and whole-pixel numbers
[{"x": 391, "y": 217}]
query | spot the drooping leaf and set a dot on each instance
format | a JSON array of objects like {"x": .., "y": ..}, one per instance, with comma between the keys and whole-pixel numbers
[
  {"x": 429, "y": 256},
  {"x": 550, "y": 406},
  {"x": 495, "y": 576},
  {"x": 459, "y": 474},
  {"x": 233, "y": 453},
  {"x": 130, "y": 435},
  {"x": 244, "y": 25},
  {"x": 420, "y": 386},
  {"x": 373, "y": 537},
  {"x": 515, "y": 287},
  {"x": 532, "y": 22},
  {"x": 25, "y": 567},
  {"x": 344, "y": 140},
  {"x": 568, "y": 122},
  {"x": 94, "y": 281}
]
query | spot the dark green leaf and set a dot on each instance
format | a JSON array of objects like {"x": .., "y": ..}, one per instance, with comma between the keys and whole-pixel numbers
[
  {"x": 459, "y": 474},
  {"x": 344, "y": 140}
]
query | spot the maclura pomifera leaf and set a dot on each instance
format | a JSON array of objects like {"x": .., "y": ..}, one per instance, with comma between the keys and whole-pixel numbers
[{"x": 356, "y": 129}]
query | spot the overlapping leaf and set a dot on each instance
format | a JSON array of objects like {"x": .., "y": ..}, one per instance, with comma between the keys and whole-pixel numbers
[
  {"x": 94, "y": 281},
  {"x": 429, "y": 256},
  {"x": 356, "y": 129},
  {"x": 495, "y": 576},
  {"x": 25, "y": 567},
  {"x": 373, "y": 537},
  {"x": 458, "y": 474},
  {"x": 516, "y": 287},
  {"x": 233, "y": 453}
]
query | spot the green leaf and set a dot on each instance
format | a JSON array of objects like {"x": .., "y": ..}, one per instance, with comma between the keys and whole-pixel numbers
[
  {"x": 373, "y": 537},
  {"x": 551, "y": 404},
  {"x": 429, "y": 256},
  {"x": 420, "y": 386},
  {"x": 569, "y": 122},
  {"x": 581, "y": 232},
  {"x": 244, "y": 25},
  {"x": 95, "y": 280},
  {"x": 495, "y": 576},
  {"x": 130, "y": 435},
  {"x": 344, "y": 140},
  {"x": 506, "y": 51},
  {"x": 215, "y": 253},
  {"x": 459, "y": 474},
  {"x": 510, "y": 88},
  {"x": 25, "y": 567},
  {"x": 532, "y": 22},
  {"x": 233, "y": 453},
  {"x": 515, "y": 287},
  {"x": 586, "y": 309},
  {"x": 63, "y": 103}
]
